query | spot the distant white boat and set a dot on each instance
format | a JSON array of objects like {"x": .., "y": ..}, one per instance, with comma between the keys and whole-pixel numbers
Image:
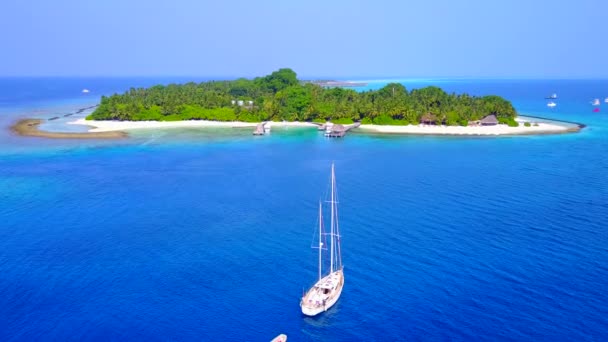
[
  {"x": 280, "y": 338},
  {"x": 85, "y": 91},
  {"x": 606, "y": 100},
  {"x": 551, "y": 104},
  {"x": 596, "y": 102},
  {"x": 552, "y": 96}
]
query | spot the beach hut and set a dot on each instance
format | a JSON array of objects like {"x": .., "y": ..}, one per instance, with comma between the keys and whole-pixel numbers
[
  {"x": 428, "y": 119},
  {"x": 489, "y": 120}
]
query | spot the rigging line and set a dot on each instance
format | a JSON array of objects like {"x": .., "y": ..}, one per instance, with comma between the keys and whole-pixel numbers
[
  {"x": 337, "y": 227},
  {"x": 315, "y": 238},
  {"x": 314, "y": 233}
]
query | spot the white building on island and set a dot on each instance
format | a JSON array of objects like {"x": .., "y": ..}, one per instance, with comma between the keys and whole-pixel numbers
[{"x": 241, "y": 103}]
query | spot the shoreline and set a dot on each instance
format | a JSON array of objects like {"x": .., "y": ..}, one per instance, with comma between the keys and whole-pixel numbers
[
  {"x": 546, "y": 126},
  {"x": 112, "y": 126},
  {"x": 541, "y": 128},
  {"x": 118, "y": 129},
  {"x": 30, "y": 128}
]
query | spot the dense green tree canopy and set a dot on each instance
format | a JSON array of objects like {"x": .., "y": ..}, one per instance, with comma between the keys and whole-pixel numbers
[{"x": 280, "y": 96}]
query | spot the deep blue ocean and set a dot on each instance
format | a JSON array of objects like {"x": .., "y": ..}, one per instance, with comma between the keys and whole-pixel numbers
[{"x": 205, "y": 235}]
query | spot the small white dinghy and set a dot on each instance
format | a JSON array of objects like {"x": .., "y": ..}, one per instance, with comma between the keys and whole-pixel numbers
[{"x": 280, "y": 338}]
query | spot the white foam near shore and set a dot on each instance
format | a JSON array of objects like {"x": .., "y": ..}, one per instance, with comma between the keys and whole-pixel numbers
[
  {"x": 537, "y": 127},
  {"x": 107, "y": 126}
]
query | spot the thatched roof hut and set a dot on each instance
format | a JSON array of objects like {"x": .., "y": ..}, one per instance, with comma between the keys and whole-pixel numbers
[
  {"x": 336, "y": 131},
  {"x": 429, "y": 119},
  {"x": 489, "y": 120},
  {"x": 338, "y": 128}
]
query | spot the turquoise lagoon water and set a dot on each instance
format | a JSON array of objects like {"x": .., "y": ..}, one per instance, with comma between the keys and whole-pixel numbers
[{"x": 205, "y": 235}]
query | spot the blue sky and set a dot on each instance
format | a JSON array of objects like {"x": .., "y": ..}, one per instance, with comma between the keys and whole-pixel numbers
[{"x": 425, "y": 38}]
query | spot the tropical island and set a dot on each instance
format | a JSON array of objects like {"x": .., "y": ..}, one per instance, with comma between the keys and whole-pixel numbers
[
  {"x": 280, "y": 96},
  {"x": 280, "y": 99}
]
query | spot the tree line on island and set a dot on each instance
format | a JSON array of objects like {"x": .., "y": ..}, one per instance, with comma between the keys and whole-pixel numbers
[{"x": 280, "y": 96}]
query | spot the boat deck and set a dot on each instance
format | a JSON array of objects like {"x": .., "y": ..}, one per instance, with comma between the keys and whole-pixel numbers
[{"x": 323, "y": 289}]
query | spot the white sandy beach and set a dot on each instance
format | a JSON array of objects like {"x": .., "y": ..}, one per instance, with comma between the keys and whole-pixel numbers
[
  {"x": 541, "y": 128},
  {"x": 108, "y": 126}
]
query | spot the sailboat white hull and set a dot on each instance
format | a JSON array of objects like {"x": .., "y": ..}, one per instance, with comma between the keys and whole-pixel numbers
[{"x": 323, "y": 295}]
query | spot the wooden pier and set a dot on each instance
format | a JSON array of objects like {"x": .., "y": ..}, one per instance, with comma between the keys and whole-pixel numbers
[
  {"x": 262, "y": 128},
  {"x": 259, "y": 129},
  {"x": 331, "y": 130}
]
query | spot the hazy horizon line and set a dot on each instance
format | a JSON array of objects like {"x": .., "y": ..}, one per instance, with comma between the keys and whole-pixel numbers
[{"x": 326, "y": 77}]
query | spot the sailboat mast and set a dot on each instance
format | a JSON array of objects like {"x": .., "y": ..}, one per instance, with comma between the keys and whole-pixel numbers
[
  {"x": 331, "y": 234},
  {"x": 320, "y": 239},
  {"x": 336, "y": 234}
]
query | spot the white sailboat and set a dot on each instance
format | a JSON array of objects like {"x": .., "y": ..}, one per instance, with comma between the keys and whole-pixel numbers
[
  {"x": 326, "y": 291},
  {"x": 595, "y": 102}
]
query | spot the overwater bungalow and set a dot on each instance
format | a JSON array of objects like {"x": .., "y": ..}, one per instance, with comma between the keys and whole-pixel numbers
[
  {"x": 489, "y": 120},
  {"x": 337, "y": 131}
]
